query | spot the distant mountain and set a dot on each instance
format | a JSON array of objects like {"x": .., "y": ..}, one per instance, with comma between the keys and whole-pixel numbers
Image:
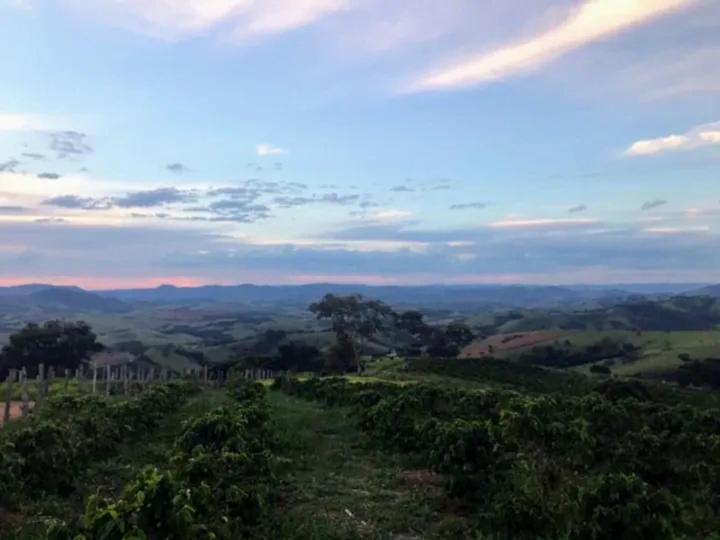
[
  {"x": 463, "y": 298},
  {"x": 58, "y": 298},
  {"x": 710, "y": 290},
  {"x": 429, "y": 296},
  {"x": 668, "y": 314},
  {"x": 23, "y": 290}
]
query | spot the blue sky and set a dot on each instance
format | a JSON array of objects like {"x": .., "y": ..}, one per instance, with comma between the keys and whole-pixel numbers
[{"x": 289, "y": 141}]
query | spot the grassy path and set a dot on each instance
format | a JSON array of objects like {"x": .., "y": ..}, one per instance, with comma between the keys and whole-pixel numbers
[{"x": 334, "y": 487}]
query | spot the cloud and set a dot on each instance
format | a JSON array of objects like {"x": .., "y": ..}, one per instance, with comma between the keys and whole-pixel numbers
[
  {"x": 9, "y": 166},
  {"x": 10, "y": 122},
  {"x": 402, "y": 189},
  {"x": 577, "y": 209},
  {"x": 678, "y": 230},
  {"x": 82, "y": 203},
  {"x": 154, "y": 197},
  {"x": 328, "y": 198},
  {"x": 178, "y": 168},
  {"x": 466, "y": 206},
  {"x": 240, "y": 211},
  {"x": 11, "y": 209},
  {"x": 649, "y": 205},
  {"x": 69, "y": 144},
  {"x": 236, "y": 19},
  {"x": 704, "y": 135},
  {"x": 33, "y": 155},
  {"x": 590, "y": 22},
  {"x": 541, "y": 223},
  {"x": 265, "y": 149},
  {"x": 390, "y": 215},
  {"x": 48, "y": 176}
]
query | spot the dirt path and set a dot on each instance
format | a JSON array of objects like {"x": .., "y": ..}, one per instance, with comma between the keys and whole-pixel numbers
[{"x": 15, "y": 410}]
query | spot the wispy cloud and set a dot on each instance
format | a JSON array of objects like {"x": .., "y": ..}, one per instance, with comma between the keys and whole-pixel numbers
[
  {"x": 466, "y": 206},
  {"x": 577, "y": 209},
  {"x": 704, "y": 135},
  {"x": 592, "y": 21},
  {"x": 9, "y": 166},
  {"x": 14, "y": 122},
  {"x": 70, "y": 144},
  {"x": 154, "y": 197},
  {"x": 48, "y": 176},
  {"x": 236, "y": 19},
  {"x": 265, "y": 149},
  {"x": 541, "y": 223},
  {"x": 80, "y": 203},
  {"x": 678, "y": 230},
  {"x": 649, "y": 205},
  {"x": 177, "y": 168}
]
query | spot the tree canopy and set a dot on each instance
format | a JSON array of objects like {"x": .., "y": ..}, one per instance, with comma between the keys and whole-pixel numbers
[{"x": 55, "y": 343}]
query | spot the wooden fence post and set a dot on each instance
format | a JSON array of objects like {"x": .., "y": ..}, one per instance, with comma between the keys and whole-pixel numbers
[
  {"x": 25, "y": 406},
  {"x": 49, "y": 380},
  {"x": 94, "y": 386},
  {"x": 107, "y": 379},
  {"x": 8, "y": 395},
  {"x": 40, "y": 381},
  {"x": 67, "y": 378}
]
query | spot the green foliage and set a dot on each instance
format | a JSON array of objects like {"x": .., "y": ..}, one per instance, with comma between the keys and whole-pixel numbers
[
  {"x": 46, "y": 454},
  {"x": 603, "y": 465},
  {"x": 58, "y": 343},
  {"x": 217, "y": 485}
]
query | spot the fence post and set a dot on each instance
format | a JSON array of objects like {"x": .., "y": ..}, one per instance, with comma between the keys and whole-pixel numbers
[
  {"x": 94, "y": 386},
  {"x": 40, "y": 381},
  {"x": 107, "y": 380},
  {"x": 49, "y": 379},
  {"x": 25, "y": 406},
  {"x": 67, "y": 378},
  {"x": 8, "y": 395}
]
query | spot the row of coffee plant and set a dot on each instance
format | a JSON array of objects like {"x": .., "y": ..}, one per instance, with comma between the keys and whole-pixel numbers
[
  {"x": 217, "y": 484},
  {"x": 46, "y": 453},
  {"x": 551, "y": 466}
]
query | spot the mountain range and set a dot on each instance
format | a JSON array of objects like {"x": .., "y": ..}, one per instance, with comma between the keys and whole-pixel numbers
[{"x": 455, "y": 297}]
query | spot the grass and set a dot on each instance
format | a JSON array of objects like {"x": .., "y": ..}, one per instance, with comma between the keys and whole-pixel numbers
[
  {"x": 334, "y": 486},
  {"x": 658, "y": 350}
]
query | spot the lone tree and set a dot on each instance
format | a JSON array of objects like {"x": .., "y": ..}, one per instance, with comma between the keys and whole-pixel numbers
[
  {"x": 55, "y": 343},
  {"x": 355, "y": 320}
]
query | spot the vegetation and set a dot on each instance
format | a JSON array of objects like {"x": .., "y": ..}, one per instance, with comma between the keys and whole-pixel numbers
[
  {"x": 538, "y": 436},
  {"x": 549, "y": 466},
  {"x": 65, "y": 344}
]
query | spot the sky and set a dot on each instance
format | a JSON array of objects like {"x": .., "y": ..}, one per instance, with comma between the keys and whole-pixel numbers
[{"x": 359, "y": 141}]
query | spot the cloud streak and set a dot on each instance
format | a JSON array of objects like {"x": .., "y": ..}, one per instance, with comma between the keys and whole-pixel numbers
[
  {"x": 700, "y": 136},
  {"x": 592, "y": 21},
  {"x": 238, "y": 20},
  {"x": 649, "y": 205},
  {"x": 264, "y": 149}
]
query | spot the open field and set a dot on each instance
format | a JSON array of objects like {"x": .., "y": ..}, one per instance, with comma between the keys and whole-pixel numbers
[{"x": 658, "y": 351}]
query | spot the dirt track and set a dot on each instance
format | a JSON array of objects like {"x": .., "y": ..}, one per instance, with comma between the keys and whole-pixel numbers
[{"x": 15, "y": 410}]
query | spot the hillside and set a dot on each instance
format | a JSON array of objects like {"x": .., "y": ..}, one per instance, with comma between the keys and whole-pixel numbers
[{"x": 462, "y": 298}]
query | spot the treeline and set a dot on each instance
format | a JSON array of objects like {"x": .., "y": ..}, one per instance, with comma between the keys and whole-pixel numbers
[
  {"x": 564, "y": 355},
  {"x": 551, "y": 466},
  {"x": 62, "y": 344}
]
